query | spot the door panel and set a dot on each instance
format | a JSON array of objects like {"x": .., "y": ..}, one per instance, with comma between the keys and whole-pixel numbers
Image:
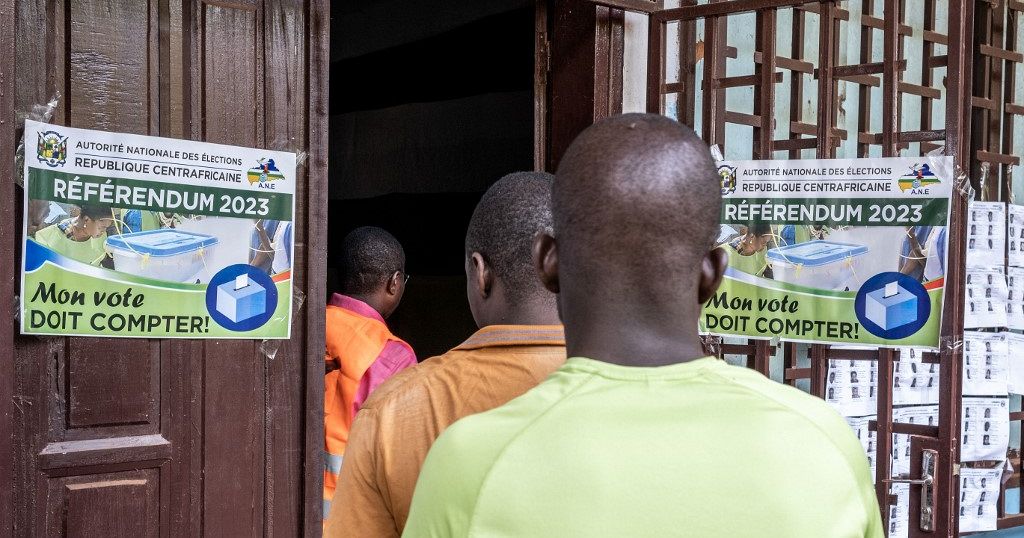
[
  {"x": 95, "y": 505},
  {"x": 136, "y": 437},
  {"x": 113, "y": 387}
]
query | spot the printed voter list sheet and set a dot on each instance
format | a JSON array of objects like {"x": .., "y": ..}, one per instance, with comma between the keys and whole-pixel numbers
[
  {"x": 914, "y": 382},
  {"x": 986, "y": 298},
  {"x": 852, "y": 387},
  {"x": 1015, "y": 358},
  {"x": 1015, "y": 298},
  {"x": 979, "y": 493},
  {"x": 986, "y": 364},
  {"x": 921, "y": 415},
  {"x": 985, "y": 429},
  {"x": 899, "y": 512},
  {"x": 867, "y": 437},
  {"x": 1015, "y": 236},
  {"x": 986, "y": 234}
]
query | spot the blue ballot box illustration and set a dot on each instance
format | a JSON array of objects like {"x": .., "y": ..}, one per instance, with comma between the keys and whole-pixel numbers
[
  {"x": 241, "y": 299},
  {"x": 891, "y": 306}
]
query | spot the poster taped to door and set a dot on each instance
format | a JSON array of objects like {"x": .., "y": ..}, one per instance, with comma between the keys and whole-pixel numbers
[
  {"x": 140, "y": 236},
  {"x": 833, "y": 251}
]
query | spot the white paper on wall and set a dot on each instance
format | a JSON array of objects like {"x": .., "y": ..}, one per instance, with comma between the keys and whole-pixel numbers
[
  {"x": 1015, "y": 236},
  {"x": 979, "y": 493},
  {"x": 1015, "y": 298},
  {"x": 985, "y": 298},
  {"x": 921, "y": 415},
  {"x": 852, "y": 386},
  {"x": 913, "y": 381},
  {"x": 899, "y": 512},
  {"x": 985, "y": 428},
  {"x": 986, "y": 234},
  {"x": 1015, "y": 363},
  {"x": 867, "y": 437},
  {"x": 986, "y": 362}
]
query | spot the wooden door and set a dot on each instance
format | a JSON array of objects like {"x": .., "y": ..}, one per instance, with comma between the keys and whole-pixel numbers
[
  {"x": 122, "y": 437},
  {"x": 578, "y": 79}
]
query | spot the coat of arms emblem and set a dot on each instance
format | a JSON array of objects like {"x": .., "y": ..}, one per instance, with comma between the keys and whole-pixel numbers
[
  {"x": 52, "y": 148},
  {"x": 727, "y": 175}
]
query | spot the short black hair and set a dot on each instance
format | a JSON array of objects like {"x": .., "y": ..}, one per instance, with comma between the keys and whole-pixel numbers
[
  {"x": 370, "y": 255},
  {"x": 503, "y": 226},
  {"x": 96, "y": 211}
]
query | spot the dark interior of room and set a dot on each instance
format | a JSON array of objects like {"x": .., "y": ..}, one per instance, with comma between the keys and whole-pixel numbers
[{"x": 431, "y": 101}]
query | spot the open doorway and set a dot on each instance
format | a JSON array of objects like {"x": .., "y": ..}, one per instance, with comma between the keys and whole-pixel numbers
[{"x": 431, "y": 101}]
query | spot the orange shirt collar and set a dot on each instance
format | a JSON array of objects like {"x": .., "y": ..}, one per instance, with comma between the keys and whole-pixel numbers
[{"x": 515, "y": 335}]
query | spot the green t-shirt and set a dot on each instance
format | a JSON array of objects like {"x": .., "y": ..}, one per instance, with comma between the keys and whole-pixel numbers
[
  {"x": 695, "y": 449},
  {"x": 91, "y": 251}
]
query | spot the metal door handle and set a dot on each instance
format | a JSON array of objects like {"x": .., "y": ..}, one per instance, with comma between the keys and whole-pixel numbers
[{"x": 927, "y": 483}]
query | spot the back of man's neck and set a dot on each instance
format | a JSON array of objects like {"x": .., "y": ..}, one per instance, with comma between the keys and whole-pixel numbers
[
  {"x": 635, "y": 344},
  {"x": 542, "y": 313}
]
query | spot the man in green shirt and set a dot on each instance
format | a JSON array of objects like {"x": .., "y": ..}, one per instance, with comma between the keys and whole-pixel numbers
[
  {"x": 80, "y": 238},
  {"x": 638, "y": 435}
]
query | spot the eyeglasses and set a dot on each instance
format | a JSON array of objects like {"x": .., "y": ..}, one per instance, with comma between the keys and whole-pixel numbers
[{"x": 407, "y": 275}]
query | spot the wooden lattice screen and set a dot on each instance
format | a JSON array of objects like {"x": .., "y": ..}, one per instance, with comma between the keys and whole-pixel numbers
[{"x": 904, "y": 90}]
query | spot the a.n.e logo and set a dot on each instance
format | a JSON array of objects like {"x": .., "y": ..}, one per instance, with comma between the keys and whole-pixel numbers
[
  {"x": 918, "y": 179},
  {"x": 264, "y": 173}
]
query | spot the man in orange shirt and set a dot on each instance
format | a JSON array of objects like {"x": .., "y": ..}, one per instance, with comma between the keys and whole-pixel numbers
[
  {"x": 361, "y": 351},
  {"x": 520, "y": 342}
]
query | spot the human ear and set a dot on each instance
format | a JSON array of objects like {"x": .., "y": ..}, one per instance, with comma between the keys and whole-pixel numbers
[
  {"x": 545, "y": 261},
  {"x": 394, "y": 283},
  {"x": 712, "y": 267},
  {"x": 482, "y": 276}
]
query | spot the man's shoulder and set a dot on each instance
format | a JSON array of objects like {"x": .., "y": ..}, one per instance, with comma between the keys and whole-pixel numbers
[
  {"x": 789, "y": 397},
  {"x": 475, "y": 441},
  {"x": 818, "y": 418},
  {"x": 412, "y": 382},
  {"x": 489, "y": 432}
]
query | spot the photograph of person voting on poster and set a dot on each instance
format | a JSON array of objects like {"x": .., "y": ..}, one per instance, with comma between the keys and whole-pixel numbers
[
  {"x": 121, "y": 240},
  {"x": 82, "y": 237}
]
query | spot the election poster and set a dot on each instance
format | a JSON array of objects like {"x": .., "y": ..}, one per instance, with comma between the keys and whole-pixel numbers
[
  {"x": 140, "y": 236},
  {"x": 833, "y": 251}
]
